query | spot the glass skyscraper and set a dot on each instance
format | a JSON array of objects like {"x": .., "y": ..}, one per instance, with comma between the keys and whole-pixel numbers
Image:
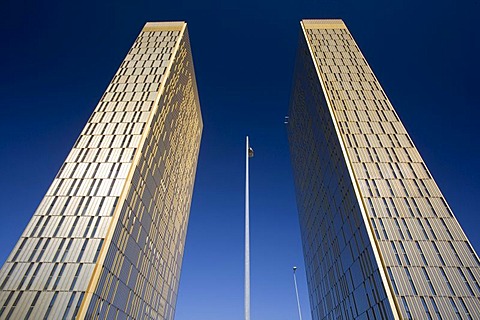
[
  {"x": 107, "y": 240},
  {"x": 379, "y": 239}
]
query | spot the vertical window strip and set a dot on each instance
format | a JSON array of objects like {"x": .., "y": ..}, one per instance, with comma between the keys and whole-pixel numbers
[
  {"x": 25, "y": 275},
  {"x": 397, "y": 257},
  {"x": 50, "y": 306},
  {"x": 69, "y": 305},
  {"x": 387, "y": 208},
  {"x": 88, "y": 227},
  {"x": 465, "y": 309},
  {"x": 399, "y": 229},
  {"x": 422, "y": 255},
  {"x": 40, "y": 221},
  {"x": 34, "y": 302},
  {"x": 65, "y": 206},
  {"x": 454, "y": 306},
  {"x": 95, "y": 193},
  {"x": 404, "y": 253},
  {"x": 34, "y": 252},
  {"x": 410, "y": 280},
  {"x": 75, "y": 278},
  {"x": 2, "y": 310},
  {"x": 384, "y": 232},
  {"x": 9, "y": 274},
  {"x": 62, "y": 219},
  {"x": 14, "y": 305},
  {"x": 430, "y": 284},
  {"x": 431, "y": 229},
  {"x": 60, "y": 182},
  {"x": 89, "y": 199},
  {"x": 59, "y": 250},
  {"x": 95, "y": 227},
  {"x": 100, "y": 206},
  {"x": 79, "y": 184},
  {"x": 406, "y": 202},
  {"x": 49, "y": 208},
  {"x": 407, "y": 309},
  {"x": 446, "y": 228},
  {"x": 425, "y": 307},
  {"x": 435, "y": 307},
  {"x": 20, "y": 248},
  {"x": 407, "y": 229},
  {"x": 474, "y": 279},
  {"x": 423, "y": 229},
  {"x": 33, "y": 276},
  {"x": 392, "y": 204},
  {"x": 43, "y": 250},
  {"x": 75, "y": 181},
  {"x": 438, "y": 253},
  {"x": 40, "y": 233},
  {"x": 390, "y": 274},
  {"x": 114, "y": 205},
  {"x": 67, "y": 249},
  {"x": 82, "y": 251},
  {"x": 59, "y": 276},
  {"x": 79, "y": 206},
  {"x": 375, "y": 229},
  {"x": 49, "y": 279},
  {"x": 465, "y": 281},
  {"x": 455, "y": 253},
  {"x": 98, "y": 250},
  {"x": 73, "y": 227}
]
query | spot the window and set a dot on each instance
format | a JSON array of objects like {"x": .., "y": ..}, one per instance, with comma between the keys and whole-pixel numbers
[
  {"x": 390, "y": 274},
  {"x": 50, "y": 306},
  {"x": 425, "y": 307},
  {"x": 425, "y": 273},
  {"x": 34, "y": 302},
  {"x": 437, "y": 312},
  {"x": 444, "y": 275},
  {"x": 14, "y": 305},
  {"x": 407, "y": 310},
  {"x": 410, "y": 280}
]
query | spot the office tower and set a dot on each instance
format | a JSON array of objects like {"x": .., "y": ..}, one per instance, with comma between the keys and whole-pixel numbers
[
  {"x": 379, "y": 240},
  {"x": 106, "y": 241}
]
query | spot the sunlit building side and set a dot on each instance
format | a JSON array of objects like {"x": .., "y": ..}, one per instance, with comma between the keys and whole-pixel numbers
[{"x": 107, "y": 240}]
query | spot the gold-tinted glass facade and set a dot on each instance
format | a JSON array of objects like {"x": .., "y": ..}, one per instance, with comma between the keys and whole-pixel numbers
[
  {"x": 349, "y": 145},
  {"x": 112, "y": 226}
]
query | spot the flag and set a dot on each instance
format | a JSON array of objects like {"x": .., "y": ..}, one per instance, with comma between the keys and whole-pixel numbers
[{"x": 250, "y": 152}]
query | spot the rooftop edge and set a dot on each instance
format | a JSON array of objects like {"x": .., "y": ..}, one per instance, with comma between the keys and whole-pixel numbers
[
  {"x": 164, "y": 26},
  {"x": 323, "y": 24}
]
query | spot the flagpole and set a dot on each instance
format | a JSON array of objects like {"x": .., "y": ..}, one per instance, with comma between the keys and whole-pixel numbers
[{"x": 247, "y": 237}]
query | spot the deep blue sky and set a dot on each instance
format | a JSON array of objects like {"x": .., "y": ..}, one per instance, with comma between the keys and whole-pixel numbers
[{"x": 57, "y": 57}]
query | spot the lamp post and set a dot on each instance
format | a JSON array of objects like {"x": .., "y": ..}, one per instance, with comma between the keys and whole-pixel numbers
[{"x": 296, "y": 292}]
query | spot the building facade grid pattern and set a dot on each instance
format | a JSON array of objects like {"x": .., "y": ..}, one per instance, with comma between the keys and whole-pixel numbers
[
  {"x": 432, "y": 268},
  {"x": 140, "y": 276},
  {"x": 48, "y": 271},
  {"x": 343, "y": 278}
]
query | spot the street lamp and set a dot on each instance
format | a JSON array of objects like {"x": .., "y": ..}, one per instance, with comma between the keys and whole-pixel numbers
[{"x": 296, "y": 292}]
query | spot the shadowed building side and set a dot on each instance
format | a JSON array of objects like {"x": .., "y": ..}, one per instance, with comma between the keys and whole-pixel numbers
[{"x": 379, "y": 239}]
